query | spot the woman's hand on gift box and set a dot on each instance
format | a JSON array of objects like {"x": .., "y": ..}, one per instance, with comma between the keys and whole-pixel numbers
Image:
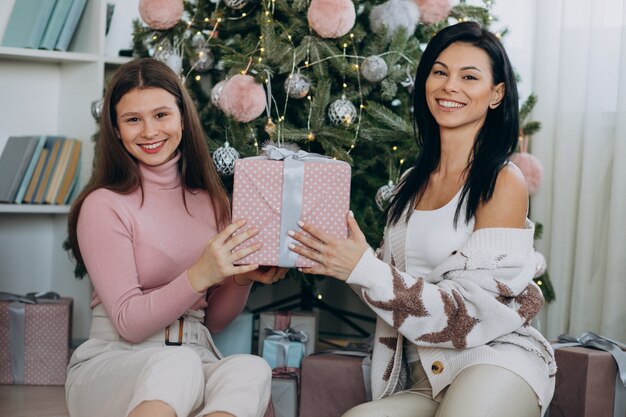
[
  {"x": 217, "y": 260},
  {"x": 336, "y": 257},
  {"x": 264, "y": 275}
]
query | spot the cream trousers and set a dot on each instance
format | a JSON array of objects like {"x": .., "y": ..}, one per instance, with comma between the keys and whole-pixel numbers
[
  {"x": 478, "y": 391},
  {"x": 109, "y": 377}
]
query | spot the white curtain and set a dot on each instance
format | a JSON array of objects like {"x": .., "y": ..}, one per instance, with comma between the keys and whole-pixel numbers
[{"x": 579, "y": 76}]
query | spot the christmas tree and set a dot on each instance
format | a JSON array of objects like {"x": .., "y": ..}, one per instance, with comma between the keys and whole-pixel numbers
[{"x": 331, "y": 76}]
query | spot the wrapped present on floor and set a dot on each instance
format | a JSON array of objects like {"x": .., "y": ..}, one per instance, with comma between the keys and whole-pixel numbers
[
  {"x": 35, "y": 334},
  {"x": 298, "y": 321},
  {"x": 274, "y": 192},
  {"x": 285, "y": 396},
  {"x": 591, "y": 377},
  {"x": 237, "y": 336},
  {"x": 283, "y": 349},
  {"x": 333, "y": 383}
]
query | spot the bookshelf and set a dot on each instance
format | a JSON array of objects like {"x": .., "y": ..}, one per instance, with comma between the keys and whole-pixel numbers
[{"x": 50, "y": 92}]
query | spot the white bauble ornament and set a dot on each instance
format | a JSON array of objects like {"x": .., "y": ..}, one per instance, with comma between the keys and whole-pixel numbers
[
  {"x": 393, "y": 15},
  {"x": 224, "y": 158},
  {"x": 297, "y": 86},
  {"x": 175, "y": 62},
  {"x": 236, "y": 4},
  {"x": 203, "y": 60},
  {"x": 216, "y": 91},
  {"x": 383, "y": 195},
  {"x": 374, "y": 68},
  {"x": 341, "y": 111}
]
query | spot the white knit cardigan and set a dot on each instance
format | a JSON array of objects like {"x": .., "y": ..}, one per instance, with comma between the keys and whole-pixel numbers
[{"x": 474, "y": 308}]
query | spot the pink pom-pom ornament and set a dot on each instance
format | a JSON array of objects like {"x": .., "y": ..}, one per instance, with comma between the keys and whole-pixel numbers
[
  {"x": 161, "y": 14},
  {"x": 531, "y": 168},
  {"x": 331, "y": 18},
  {"x": 242, "y": 98},
  {"x": 433, "y": 11}
]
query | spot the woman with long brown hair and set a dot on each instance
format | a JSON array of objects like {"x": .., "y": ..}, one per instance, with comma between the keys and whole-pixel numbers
[{"x": 153, "y": 229}]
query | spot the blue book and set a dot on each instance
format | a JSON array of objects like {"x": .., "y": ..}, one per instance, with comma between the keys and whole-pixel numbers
[
  {"x": 71, "y": 23},
  {"x": 14, "y": 162},
  {"x": 55, "y": 24},
  {"x": 27, "y": 23},
  {"x": 21, "y": 192}
]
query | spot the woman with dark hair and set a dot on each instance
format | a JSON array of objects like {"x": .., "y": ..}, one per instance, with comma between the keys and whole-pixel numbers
[
  {"x": 453, "y": 292},
  {"x": 152, "y": 229}
]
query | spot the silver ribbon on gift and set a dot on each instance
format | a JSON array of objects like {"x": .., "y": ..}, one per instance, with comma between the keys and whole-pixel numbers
[
  {"x": 283, "y": 338},
  {"x": 293, "y": 185},
  {"x": 592, "y": 340},
  {"x": 17, "y": 328}
]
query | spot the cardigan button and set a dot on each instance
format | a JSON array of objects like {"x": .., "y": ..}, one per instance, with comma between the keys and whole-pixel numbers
[{"x": 437, "y": 367}]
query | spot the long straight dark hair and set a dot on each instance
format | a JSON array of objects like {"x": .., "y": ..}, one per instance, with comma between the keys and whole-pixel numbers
[
  {"x": 115, "y": 169},
  {"x": 495, "y": 142}
]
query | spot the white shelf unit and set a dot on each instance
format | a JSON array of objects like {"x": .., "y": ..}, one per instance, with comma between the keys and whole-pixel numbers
[{"x": 50, "y": 92}]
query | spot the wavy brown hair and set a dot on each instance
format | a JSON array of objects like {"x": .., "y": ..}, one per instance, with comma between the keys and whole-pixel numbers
[{"x": 116, "y": 170}]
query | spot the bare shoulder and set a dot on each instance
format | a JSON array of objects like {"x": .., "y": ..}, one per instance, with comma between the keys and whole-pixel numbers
[{"x": 508, "y": 206}]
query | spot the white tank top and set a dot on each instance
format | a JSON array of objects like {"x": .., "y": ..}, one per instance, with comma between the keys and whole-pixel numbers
[{"x": 430, "y": 239}]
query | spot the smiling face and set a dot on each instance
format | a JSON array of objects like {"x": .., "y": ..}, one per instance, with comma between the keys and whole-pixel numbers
[
  {"x": 149, "y": 125},
  {"x": 459, "y": 88}
]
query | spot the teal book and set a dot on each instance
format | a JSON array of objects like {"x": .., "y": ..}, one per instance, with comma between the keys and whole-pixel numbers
[
  {"x": 27, "y": 23},
  {"x": 71, "y": 23},
  {"x": 55, "y": 24},
  {"x": 14, "y": 162},
  {"x": 21, "y": 191}
]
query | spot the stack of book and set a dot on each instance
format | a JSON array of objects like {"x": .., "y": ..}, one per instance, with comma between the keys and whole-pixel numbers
[
  {"x": 39, "y": 169},
  {"x": 43, "y": 24}
]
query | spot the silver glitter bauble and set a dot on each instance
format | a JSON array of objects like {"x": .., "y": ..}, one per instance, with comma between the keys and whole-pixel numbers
[
  {"x": 383, "y": 195},
  {"x": 198, "y": 40},
  {"x": 341, "y": 111},
  {"x": 374, "y": 69},
  {"x": 202, "y": 60},
  {"x": 224, "y": 158},
  {"x": 236, "y": 4},
  {"x": 216, "y": 91},
  {"x": 165, "y": 53},
  {"x": 297, "y": 86},
  {"x": 96, "y": 109}
]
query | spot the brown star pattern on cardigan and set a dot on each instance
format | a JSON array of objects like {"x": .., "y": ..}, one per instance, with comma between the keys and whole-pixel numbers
[
  {"x": 459, "y": 322},
  {"x": 530, "y": 301},
  {"x": 391, "y": 343},
  {"x": 407, "y": 301}
]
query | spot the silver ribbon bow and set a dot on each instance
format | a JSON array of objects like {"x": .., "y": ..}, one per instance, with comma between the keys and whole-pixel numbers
[
  {"x": 590, "y": 339},
  {"x": 292, "y": 195},
  {"x": 283, "y": 338}
]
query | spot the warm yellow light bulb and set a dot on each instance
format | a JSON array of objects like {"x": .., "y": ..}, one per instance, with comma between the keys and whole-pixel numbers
[
  {"x": 198, "y": 78},
  {"x": 395, "y": 148},
  {"x": 345, "y": 85}
]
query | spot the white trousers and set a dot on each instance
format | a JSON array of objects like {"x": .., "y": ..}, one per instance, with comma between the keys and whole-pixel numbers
[
  {"x": 109, "y": 378},
  {"x": 478, "y": 391}
]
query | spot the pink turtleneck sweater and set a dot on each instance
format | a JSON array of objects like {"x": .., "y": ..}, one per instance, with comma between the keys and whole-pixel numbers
[{"x": 137, "y": 255}]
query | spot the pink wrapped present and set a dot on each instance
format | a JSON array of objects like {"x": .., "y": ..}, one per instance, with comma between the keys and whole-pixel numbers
[
  {"x": 34, "y": 341},
  {"x": 274, "y": 192}
]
